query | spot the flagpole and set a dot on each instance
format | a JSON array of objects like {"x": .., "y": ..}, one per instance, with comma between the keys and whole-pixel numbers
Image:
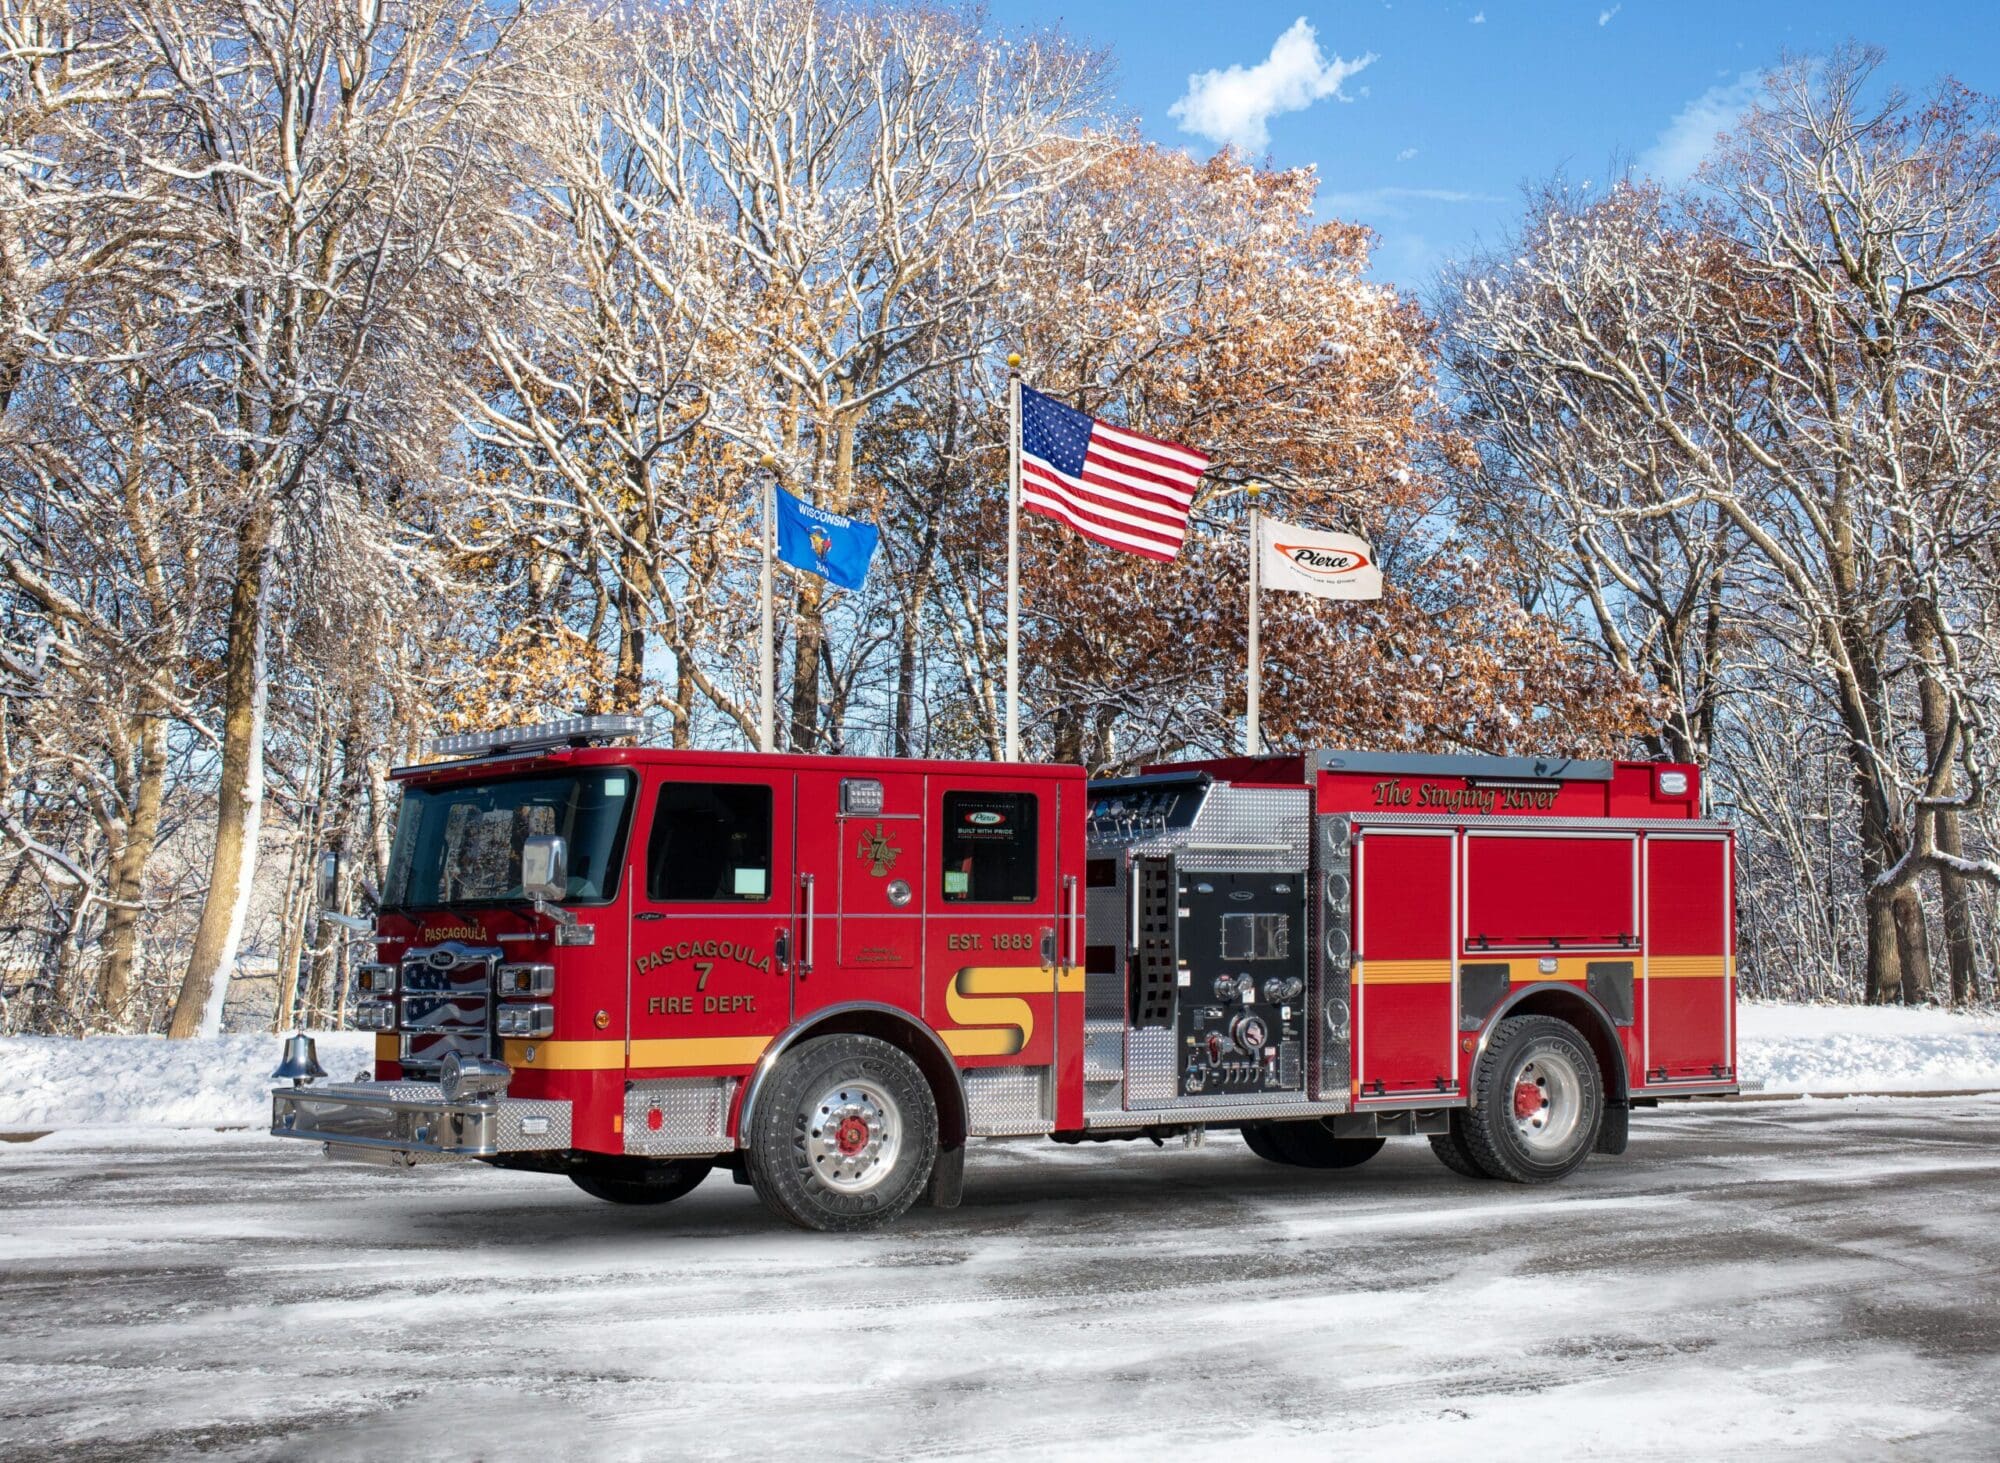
[
  {"x": 1253, "y": 695},
  {"x": 766, "y": 631},
  {"x": 1013, "y": 558}
]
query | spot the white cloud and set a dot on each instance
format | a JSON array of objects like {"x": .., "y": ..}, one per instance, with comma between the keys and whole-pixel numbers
[
  {"x": 1479, "y": 19},
  {"x": 1387, "y": 203},
  {"x": 1604, "y": 16},
  {"x": 1234, "y": 106},
  {"x": 1690, "y": 137},
  {"x": 1406, "y": 154}
]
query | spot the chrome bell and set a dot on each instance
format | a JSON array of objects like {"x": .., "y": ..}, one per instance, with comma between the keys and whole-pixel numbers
[{"x": 301, "y": 1061}]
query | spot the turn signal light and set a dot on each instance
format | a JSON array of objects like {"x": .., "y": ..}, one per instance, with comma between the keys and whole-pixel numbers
[
  {"x": 376, "y": 980},
  {"x": 527, "y": 980}
]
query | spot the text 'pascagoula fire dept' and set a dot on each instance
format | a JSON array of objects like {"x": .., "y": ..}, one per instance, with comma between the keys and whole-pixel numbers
[{"x": 826, "y": 975}]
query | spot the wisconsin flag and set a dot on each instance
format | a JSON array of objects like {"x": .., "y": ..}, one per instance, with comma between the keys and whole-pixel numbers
[
  {"x": 1312, "y": 561},
  {"x": 831, "y": 545}
]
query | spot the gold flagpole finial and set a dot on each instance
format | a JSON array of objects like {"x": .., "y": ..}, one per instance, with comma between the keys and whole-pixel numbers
[{"x": 1014, "y": 361}]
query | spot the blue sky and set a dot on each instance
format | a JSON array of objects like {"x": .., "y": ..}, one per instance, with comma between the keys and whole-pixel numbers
[{"x": 1464, "y": 101}]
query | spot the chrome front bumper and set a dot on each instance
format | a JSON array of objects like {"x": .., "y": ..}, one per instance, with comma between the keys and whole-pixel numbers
[{"x": 407, "y": 1123}]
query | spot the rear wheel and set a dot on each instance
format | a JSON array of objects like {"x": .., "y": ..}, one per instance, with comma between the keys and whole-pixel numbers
[
  {"x": 1312, "y": 1145},
  {"x": 1455, "y": 1153},
  {"x": 1257, "y": 1138},
  {"x": 1541, "y": 1101},
  {"x": 639, "y": 1180},
  {"x": 844, "y": 1135}
]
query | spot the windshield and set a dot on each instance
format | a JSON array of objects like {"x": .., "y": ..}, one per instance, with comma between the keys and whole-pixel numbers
[{"x": 460, "y": 842}]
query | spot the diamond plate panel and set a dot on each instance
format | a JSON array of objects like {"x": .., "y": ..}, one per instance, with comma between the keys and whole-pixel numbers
[
  {"x": 1150, "y": 1067},
  {"x": 678, "y": 1115},
  {"x": 1004, "y": 1100},
  {"x": 1103, "y": 1051},
  {"x": 1221, "y": 1110}
]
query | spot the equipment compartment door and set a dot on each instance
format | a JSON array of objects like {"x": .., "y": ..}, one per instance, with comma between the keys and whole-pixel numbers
[
  {"x": 711, "y": 917},
  {"x": 1405, "y": 985},
  {"x": 1688, "y": 998}
]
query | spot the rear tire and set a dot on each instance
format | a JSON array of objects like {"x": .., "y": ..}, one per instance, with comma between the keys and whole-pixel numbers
[
  {"x": 1541, "y": 1101},
  {"x": 1312, "y": 1145},
  {"x": 844, "y": 1134},
  {"x": 1455, "y": 1153},
  {"x": 640, "y": 1180},
  {"x": 1257, "y": 1138}
]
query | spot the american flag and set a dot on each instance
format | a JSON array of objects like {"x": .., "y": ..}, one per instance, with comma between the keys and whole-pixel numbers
[{"x": 1124, "y": 489}]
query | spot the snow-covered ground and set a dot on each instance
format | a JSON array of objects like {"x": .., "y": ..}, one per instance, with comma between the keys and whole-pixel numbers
[
  {"x": 1867, "y": 1048},
  {"x": 53, "y": 1083}
]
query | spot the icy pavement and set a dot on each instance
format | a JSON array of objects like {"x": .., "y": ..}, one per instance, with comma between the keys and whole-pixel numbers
[{"x": 1809, "y": 1280}]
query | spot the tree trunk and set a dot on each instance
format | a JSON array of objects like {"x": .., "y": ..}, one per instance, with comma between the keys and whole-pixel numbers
[
  {"x": 128, "y": 874},
  {"x": 1913, "y": 946},
  {"x": 239, "y": 806},
  {"x": 1934, "y": 712},
  {"x": 628, "y": 686}
]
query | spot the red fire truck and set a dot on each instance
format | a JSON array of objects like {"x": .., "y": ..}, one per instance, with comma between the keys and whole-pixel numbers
[{"x": 634, "y": 966}]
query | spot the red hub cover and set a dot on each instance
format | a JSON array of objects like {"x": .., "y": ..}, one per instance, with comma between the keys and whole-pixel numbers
[
  {"x": 1527, "y": 1099},
  {"x": 852, "y": 1136}
]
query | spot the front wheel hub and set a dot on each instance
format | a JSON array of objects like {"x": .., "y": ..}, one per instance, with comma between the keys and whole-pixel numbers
[{"x": 853, "y": 1135}]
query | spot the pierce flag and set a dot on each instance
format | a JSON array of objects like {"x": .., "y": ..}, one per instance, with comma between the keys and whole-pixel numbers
[
  {"x": 1312, "y": 561},
  {"x": 831, "y": 545}
]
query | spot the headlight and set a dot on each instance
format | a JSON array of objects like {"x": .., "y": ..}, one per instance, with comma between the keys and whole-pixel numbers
[
  {"x": 527, "y": 1020},
  {"x": 373, "y": 1016},
  {"x": 527, "y": 980}
]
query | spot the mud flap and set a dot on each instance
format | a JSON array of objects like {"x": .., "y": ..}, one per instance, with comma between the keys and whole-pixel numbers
[
  {"x": 1616, "y": 1129},
  {"x": 947, "y": 1181}
]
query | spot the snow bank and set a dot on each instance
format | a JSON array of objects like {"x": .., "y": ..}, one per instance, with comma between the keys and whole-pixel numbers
[
  {"x": 49, "y": 1082},
  {"x": 1867, "y": 1048}
]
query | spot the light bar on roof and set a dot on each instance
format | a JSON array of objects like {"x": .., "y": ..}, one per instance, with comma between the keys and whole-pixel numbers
[{"x": 561, "y": 732}]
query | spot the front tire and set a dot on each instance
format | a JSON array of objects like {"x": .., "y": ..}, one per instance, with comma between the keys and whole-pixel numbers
[
  {"x": 844, "y": 1136},
  {"x": 640, "y": 1180},
  {"x": 1541, "y": 1101}
]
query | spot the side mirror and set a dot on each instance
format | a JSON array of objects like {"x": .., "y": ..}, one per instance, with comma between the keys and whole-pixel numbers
[
  {"x": 545, "y": 867},
  {"x": 329, "y": 878}
]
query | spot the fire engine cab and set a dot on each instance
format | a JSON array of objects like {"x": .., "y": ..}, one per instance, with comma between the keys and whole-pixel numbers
[{"x": 634, "y": 965}]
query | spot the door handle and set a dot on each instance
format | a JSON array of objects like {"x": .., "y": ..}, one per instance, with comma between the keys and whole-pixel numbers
[
  {"x": 1048, "y": 949},
  {"x": 1069, "y": 919},
  {"x": 805, "y": 964},
  {"x": 781, "y": 948}
]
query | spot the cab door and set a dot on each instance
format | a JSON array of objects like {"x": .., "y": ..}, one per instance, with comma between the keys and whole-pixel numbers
[
  {"x": 990, "y": 942},
  {"x": 860, "y": 862},
  {"x": 712, "y": 922}
]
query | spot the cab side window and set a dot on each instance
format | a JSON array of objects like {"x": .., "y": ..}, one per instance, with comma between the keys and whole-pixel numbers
[
  {"x": 988, "y": 847},
  {"x": 711, "y": 843}
]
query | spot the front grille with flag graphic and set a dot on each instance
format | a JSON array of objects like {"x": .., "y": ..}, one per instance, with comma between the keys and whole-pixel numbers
[
  {"x": 446, "y": 1000},
  {"x": 1119, "y": 487}
]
